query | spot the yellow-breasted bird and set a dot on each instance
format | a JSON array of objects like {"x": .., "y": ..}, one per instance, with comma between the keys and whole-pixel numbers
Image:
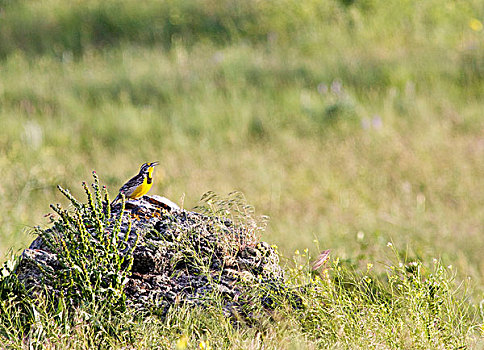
[{"x": 138, "y": 185}]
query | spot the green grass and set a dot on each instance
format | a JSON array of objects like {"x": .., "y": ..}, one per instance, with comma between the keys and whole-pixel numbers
[
  {"x": 353, "y": 123},
  {"x": 399, "y": 304}
]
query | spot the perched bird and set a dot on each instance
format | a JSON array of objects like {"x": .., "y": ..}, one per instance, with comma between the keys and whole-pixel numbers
[{"x": 138, "y": 185}]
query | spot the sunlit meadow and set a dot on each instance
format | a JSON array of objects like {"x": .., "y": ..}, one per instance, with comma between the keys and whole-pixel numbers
[{"x": 356, "y": 126}]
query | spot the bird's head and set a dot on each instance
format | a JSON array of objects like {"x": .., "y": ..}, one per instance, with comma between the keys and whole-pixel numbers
[{"x": 148, "y": 167}]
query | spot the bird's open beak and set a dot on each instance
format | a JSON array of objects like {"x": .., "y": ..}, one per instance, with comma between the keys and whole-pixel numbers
[{"x": 154, "y": 164}]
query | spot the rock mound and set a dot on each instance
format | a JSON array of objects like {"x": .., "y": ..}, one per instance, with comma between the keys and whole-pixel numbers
[{"x": 178, "y": 256}]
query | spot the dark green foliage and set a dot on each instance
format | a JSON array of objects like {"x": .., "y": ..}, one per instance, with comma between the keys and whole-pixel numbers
[
  {"x": 94, "y": 259},
  {"x": 80, "y": 26}
]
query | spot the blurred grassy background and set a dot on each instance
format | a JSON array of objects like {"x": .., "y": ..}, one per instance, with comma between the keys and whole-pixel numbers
[{"x": 351, "y": 122}]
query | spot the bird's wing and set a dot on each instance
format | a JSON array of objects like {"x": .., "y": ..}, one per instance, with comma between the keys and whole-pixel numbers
[{"x": 133, "y": 182}]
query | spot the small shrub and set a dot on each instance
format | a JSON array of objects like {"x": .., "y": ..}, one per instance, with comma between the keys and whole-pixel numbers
[{"x": 87, "y": 243}]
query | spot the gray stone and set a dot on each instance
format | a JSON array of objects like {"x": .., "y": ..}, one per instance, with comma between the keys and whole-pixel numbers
[{"x": 181, "y": 256}]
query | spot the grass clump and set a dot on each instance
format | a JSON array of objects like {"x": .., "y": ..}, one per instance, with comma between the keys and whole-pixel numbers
[
  {"x": 234, "y": 207},
  {"x": 403, "y": 304}
]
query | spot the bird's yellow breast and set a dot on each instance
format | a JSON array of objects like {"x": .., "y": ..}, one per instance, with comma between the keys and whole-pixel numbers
[{"x": 142, "y": 189}]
